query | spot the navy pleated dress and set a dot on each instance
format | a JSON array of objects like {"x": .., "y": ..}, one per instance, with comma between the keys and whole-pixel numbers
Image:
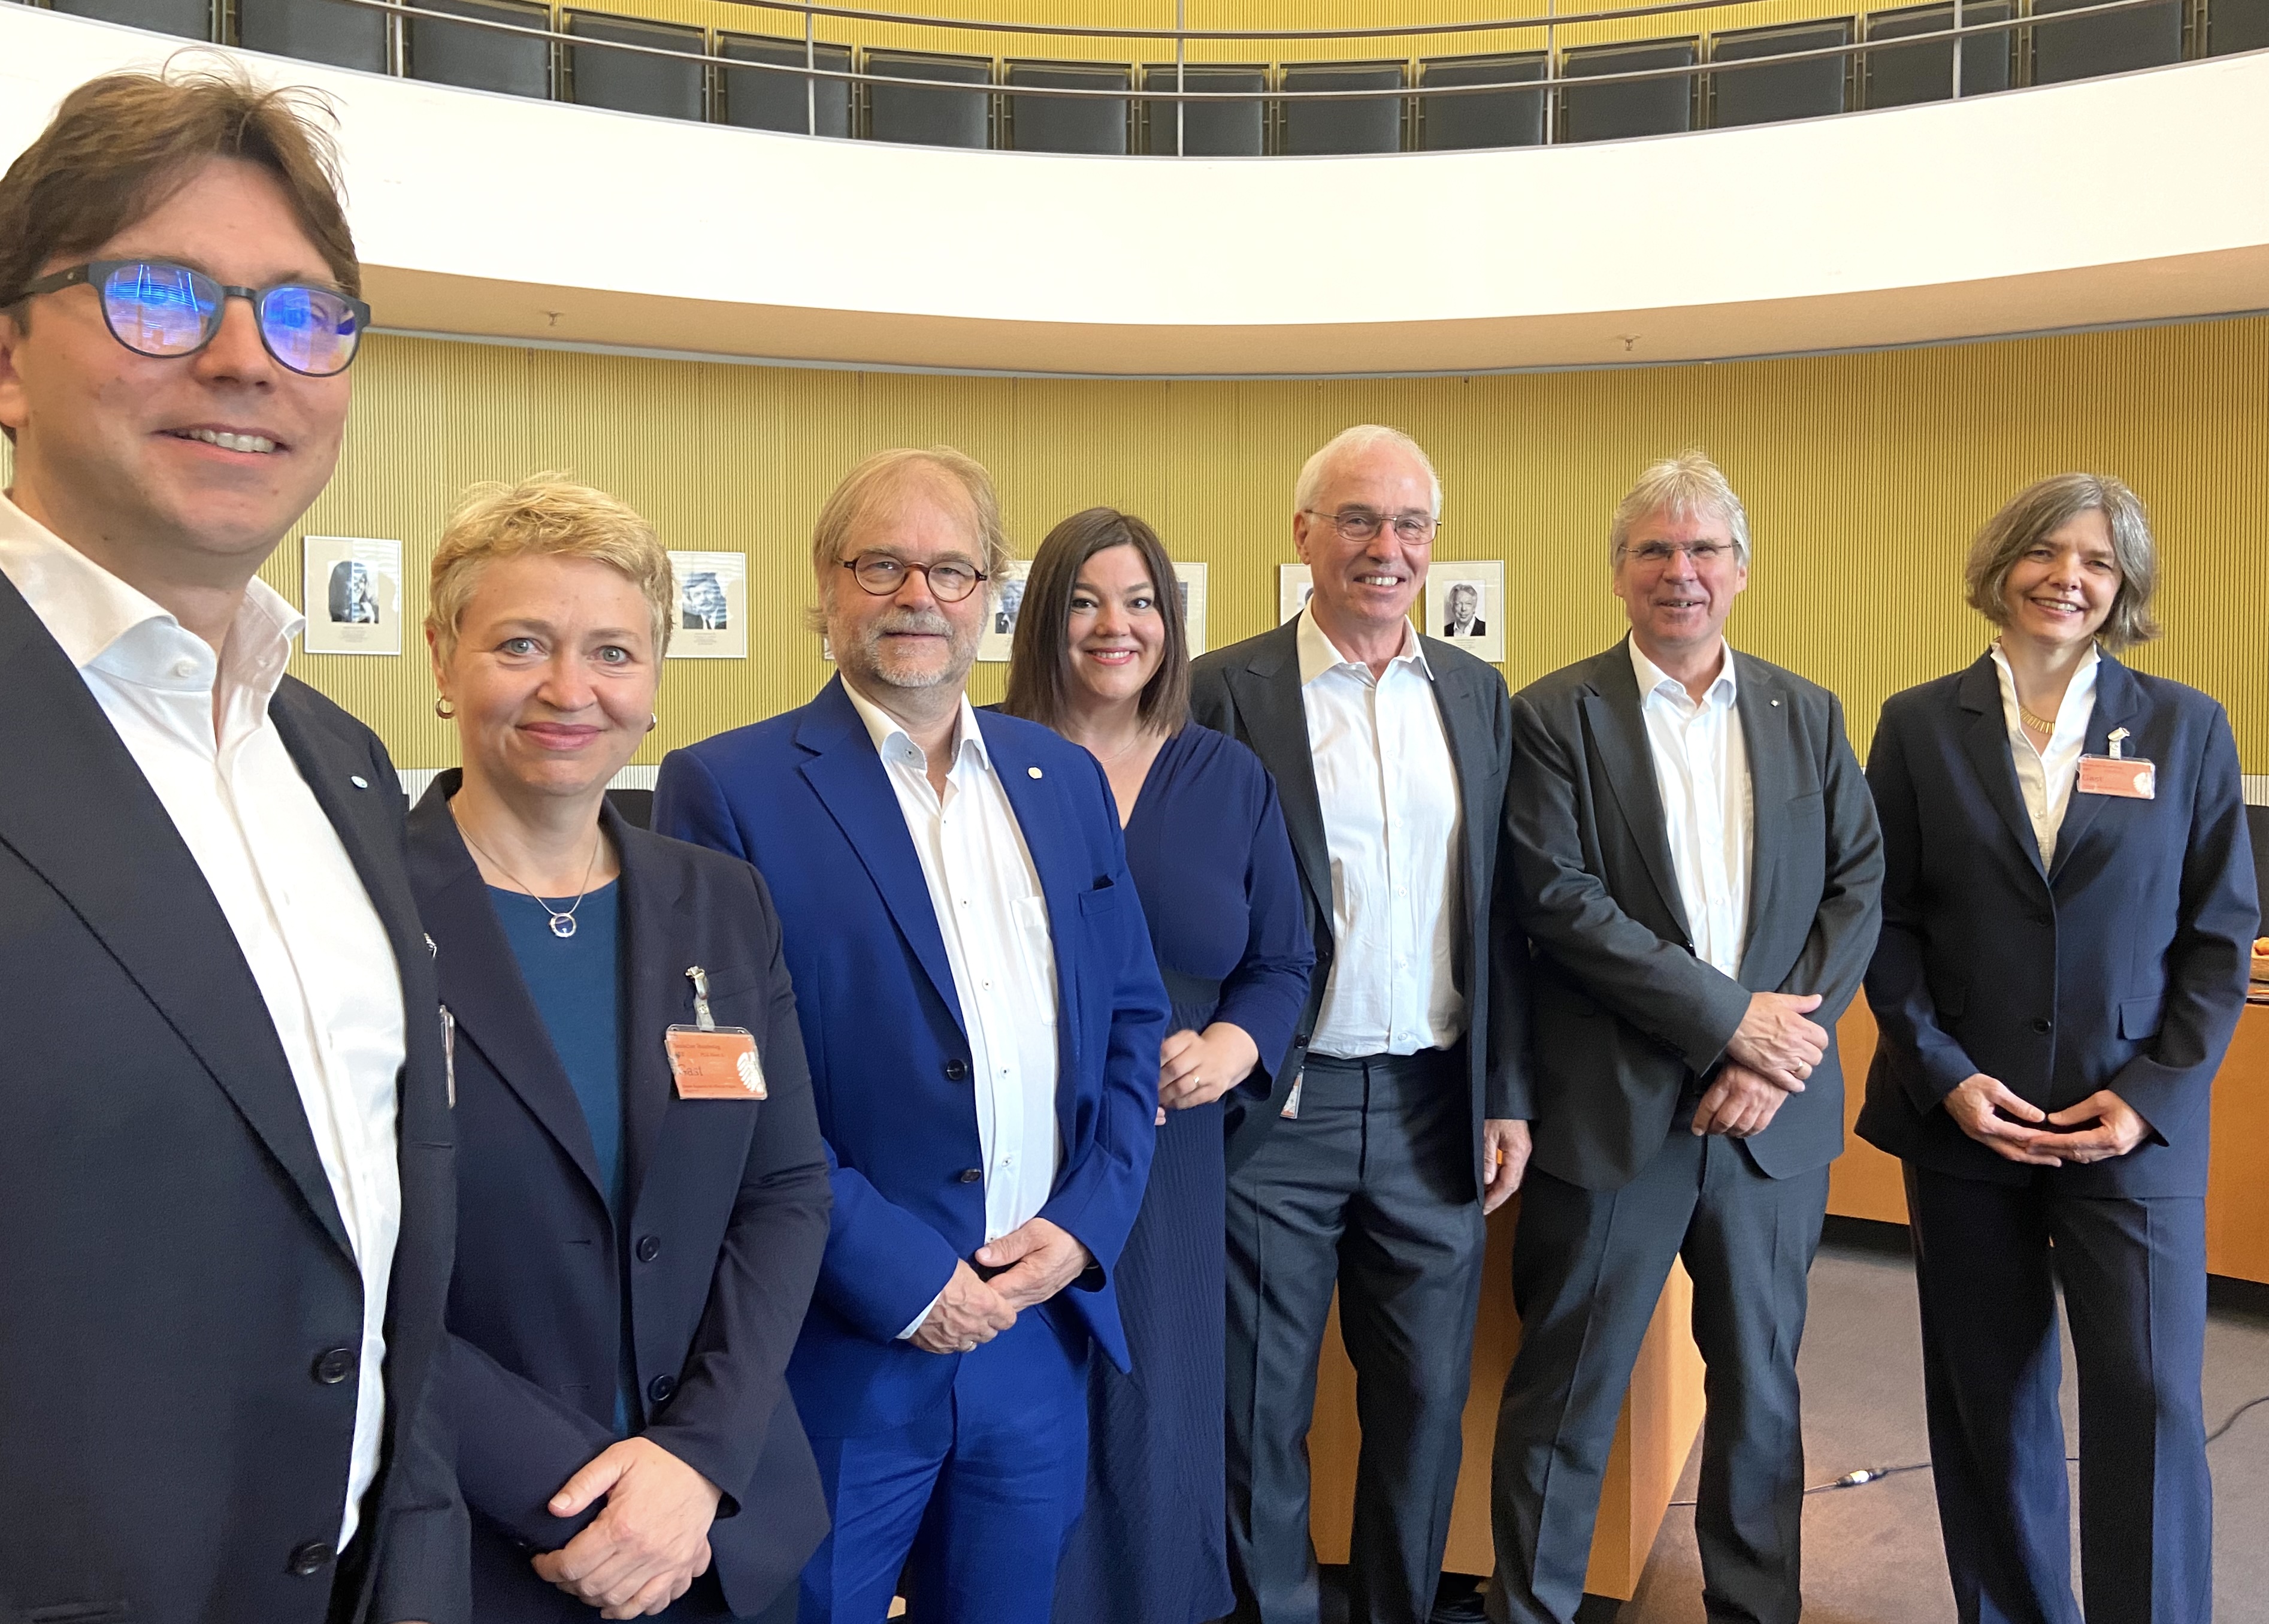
[{"x": 1214, "y": 869}]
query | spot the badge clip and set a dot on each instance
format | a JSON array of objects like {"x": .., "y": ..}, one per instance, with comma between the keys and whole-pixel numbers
[{"x": 709, "y": 1061}]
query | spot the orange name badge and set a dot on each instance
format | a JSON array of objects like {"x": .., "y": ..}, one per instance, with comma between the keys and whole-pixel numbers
[
  {"x": 2127, "y": 777},
  {"x": 715, "y": 1063}
]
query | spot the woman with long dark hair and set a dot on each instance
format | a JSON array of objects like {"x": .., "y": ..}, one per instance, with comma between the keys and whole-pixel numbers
[{"x": 1100, "y": 656}]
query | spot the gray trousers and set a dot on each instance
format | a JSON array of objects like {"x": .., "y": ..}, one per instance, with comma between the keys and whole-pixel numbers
[
  {"x": 1370, "y": 1189},
  {"x": 1588, "y": 1267}
]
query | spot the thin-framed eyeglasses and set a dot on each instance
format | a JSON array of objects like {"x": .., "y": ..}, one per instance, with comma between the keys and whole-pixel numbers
[
  {"x": 949, "y": 579},
  {"x": 1655, "y": 555},
  {"x": 167, "y": 311},
  {"x": 1360, "y": 524}
]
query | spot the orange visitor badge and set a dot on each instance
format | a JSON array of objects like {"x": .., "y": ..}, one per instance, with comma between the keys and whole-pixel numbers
[
  {"x": 714, "y": 1063},
  {"x": 2125, "y": 775}
]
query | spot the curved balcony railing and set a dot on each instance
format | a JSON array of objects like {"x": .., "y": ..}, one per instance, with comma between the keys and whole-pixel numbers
[{"x": 1536, "y": 87}]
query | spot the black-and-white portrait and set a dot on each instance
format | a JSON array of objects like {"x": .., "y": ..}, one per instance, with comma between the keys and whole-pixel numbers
[
  {"x": 1465, "y": 605},
  {"x": 1465, "y": 611},
  {"x": 701, "y": 604},
  {"x": 352, "y": 601},
  {"x": 1006, "y": 607}
]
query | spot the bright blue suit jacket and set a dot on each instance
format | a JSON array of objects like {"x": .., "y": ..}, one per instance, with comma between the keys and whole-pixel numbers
[{"x": 804, "y": 796}]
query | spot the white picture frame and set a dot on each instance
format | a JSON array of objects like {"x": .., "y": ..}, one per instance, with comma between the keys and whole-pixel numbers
[
  {"x": 713, "y": 606},
  {"x": 1468, "y": 594},
  {"x": 1190, "y": 582},
  {"x": 1004, "y": 600},
  {"x": 350, "y": 589},
  {"x": 1294, "y": 586}
]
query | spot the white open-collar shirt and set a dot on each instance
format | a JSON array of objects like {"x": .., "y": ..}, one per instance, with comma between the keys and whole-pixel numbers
[
  {"x": 1709, "y": 807},
  {"x": 316, "y": 946},
  {"x": 2045, "y": 778},
  {"x": 994, "y": 918},
  {"x": 1392, "y": 823}
]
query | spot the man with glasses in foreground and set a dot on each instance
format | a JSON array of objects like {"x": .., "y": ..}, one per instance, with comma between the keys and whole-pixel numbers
[
  {"x": 1398, "y": 1119},
  {"x": 982, "y": 1016},
  {"x": 1699, "y": 869},
  {"x": 226, "y": 1206}
]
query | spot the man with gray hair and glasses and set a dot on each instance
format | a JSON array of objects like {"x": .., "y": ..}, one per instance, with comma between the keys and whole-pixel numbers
[
  {"x": 1698, "y": 870},
  {"x": 1398, "y": 1118}
]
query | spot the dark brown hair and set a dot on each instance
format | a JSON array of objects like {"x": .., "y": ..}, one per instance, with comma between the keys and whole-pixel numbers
[
  {"x": 1039, "y": 658},
  {"x": 119, "y": 146}
]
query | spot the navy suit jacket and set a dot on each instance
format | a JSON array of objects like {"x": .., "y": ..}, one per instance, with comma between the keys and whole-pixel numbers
[
  {"x": 2120, "y": 966},
  {"x": 173, "y": 1269},
  {"x": 805, "y": 797},
  {"x": 727, "y": 1205}
]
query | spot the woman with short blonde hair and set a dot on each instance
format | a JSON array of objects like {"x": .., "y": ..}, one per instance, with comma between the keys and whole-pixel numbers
[{"x": 640, "y": 1226}]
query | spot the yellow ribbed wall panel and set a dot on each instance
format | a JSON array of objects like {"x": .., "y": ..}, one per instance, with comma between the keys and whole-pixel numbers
[{"x": 1865, "y": 476}]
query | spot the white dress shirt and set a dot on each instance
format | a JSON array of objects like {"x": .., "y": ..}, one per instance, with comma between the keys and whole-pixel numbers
[
  {"x": 316, "y": 946},
  {"x": 1709, "y": 807},
  {"x": 2045, "y": 778},
  {"x": 1392, "y": 821},
  {"x": 994, "y": 918}
]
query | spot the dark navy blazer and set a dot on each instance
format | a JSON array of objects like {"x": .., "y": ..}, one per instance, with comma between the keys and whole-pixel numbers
[
  {"x": 806, "y": 798},
  {"x": 2122, "y": 966},
  {"x": 728, "y": 1214}
]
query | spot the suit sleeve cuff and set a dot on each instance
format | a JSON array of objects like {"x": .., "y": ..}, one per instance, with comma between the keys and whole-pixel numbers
[{"x": 915, "y": 1323}]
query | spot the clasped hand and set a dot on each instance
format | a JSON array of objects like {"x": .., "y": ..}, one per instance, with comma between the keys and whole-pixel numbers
[
  {"x": 1981, "y": 1107},
  {"x": 1037, "y": 1259},
  {"x": 1776, "y": 1041},
  {"x": 650, "y": 1543},
  {"x": 1197, "y": 1068}
]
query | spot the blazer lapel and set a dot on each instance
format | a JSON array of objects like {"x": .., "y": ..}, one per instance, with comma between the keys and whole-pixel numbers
[
  {"x": 1766, "y": 717},
  {"x": 1987, "y": 741},
  {"x": 2118, "y": 697},
  {"x": 849, "y": 778},
  {"x": 658, "y": 994},
  {"x": 1466, "y": 729},
  {"x": 1619, "y": 733},
  {"x": 481, "y": 981},
  {"x": 1040, "y": 813},
  {"x": 79, "y": 810},
  {"x": 1268, "y": 696}
]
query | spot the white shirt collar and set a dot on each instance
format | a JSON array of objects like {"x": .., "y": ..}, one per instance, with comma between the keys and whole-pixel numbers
[
  {"x": 1653, "y": 680},
  {"x": 885, "y": 730},
  {"x": 2078, "y": 693},
  {"x": 1319, "y": 653},
  {"x": 100, "y": 619}
]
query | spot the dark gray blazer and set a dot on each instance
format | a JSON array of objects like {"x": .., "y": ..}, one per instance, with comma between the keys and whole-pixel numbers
[
  {"x": 1625, "y": 1016},
  {"x": 1250, "y": 691},
  {"x": 177, "y": 1401}
]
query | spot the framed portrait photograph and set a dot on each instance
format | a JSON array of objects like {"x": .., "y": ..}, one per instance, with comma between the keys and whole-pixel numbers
[
  {"x": 1465, "y": 605},
  {"x": 1190, "y": 586},
  {"x": 1294, "y": 586},
  {"x": 1006, "y": 590},
  {"x": 713, "y": 606},
  {"x": 352, "y": 595}
]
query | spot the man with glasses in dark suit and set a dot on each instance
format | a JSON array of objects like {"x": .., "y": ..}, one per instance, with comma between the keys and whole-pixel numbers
[
  {"x": 1397, "y": 1121},
  {"x": 1699, "y": 871}
]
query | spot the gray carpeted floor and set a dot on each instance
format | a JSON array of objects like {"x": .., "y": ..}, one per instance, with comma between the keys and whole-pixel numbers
[{"x": 1871, "y": 1554}]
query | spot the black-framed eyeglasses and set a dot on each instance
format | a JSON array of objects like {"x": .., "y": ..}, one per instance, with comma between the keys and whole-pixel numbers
[
  {"x": 949, "y": 579},
  {"x": 159, "y": 308},
  {"x": 1360, "y": 524}
]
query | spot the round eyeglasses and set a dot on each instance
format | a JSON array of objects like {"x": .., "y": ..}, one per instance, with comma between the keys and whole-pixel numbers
[
  {"x": 1360, "y": 524},
  {"x": 949, "y": 579},
  {"x": 158, "y": 308}
]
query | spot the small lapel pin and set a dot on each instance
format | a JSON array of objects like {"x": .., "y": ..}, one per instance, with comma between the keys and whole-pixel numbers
[
  {"x": 1776, "y": 703},
  {"x": 1035, "y": 771},
  {"x": 358, "y": 781}
]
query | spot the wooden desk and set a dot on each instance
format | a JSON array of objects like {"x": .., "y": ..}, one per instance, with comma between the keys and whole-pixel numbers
[
  {"x": 1661, "y": 1414},
  {"x": 1866, "y": 1184}
]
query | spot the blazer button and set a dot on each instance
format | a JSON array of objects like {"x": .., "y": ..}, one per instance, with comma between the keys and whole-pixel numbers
[
  {"x": 660, "y": 1388},
  {"x": 649, "y": 1248},
  {"x": 2041, "y": 1025},
  {"x": 334, "y": 1365},
  {"x": 956, "y": 1070},
  {"x": 971, "y": 1175},
  {"x": 311, "y": 1558}
]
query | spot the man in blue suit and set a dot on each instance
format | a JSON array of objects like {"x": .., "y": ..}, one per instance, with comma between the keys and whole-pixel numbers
[{"x": 982, "y": 1016}]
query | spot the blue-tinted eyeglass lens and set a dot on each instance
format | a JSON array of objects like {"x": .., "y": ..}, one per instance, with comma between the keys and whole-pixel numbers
[
  {"x": 310, "y": 329},
  {"x": 161, "y": 309}
]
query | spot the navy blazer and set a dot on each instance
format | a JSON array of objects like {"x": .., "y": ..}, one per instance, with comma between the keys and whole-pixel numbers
[
  {"x": 175, "y": 1285},
  {"x": 2122, "y": 966},
  {"x": 806, "y": 798},
  {"x": 727, "y": 1213}
]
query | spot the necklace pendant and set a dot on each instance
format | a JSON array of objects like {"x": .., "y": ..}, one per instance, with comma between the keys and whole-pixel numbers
[{"x": 563, "y": 924}]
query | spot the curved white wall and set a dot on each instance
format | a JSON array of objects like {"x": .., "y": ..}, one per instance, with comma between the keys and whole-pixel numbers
[{"x": 2121, "y": 199}]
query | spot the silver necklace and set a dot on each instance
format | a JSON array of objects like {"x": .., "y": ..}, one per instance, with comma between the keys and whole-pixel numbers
[{"x": 563, "y": 924}]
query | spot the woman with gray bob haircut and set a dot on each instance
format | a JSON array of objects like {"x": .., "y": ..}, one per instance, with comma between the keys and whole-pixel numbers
[{"x": 2068, "y": 915}]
